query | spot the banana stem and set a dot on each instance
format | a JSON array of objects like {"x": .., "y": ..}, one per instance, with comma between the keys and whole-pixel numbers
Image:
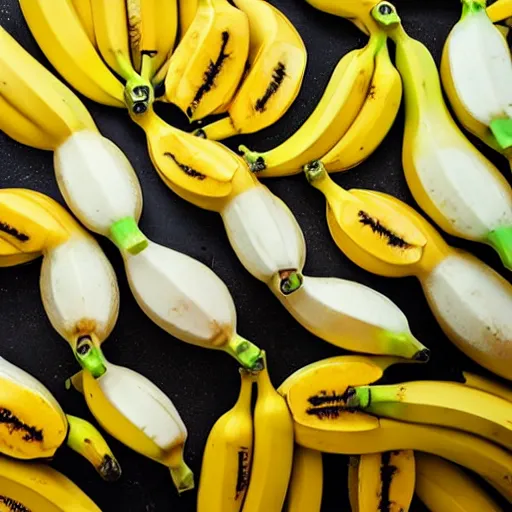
[
  {"x": 358, "y": 398},
  {"x": 90, "y": 356},
  {"x": 182, "y": 477},
  {"x": 472, "y": 6},
  {"x": 318, "y": 177},
  {"x": 127, "y": 236},
  {"x": 245, "y": 352}
]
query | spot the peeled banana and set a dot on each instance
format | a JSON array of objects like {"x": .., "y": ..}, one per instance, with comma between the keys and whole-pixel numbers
[{"x": 383, "y": 235}]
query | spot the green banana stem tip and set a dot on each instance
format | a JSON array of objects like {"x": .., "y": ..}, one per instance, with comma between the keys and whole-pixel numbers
[
  {"x": 385, "y": 14},
  {"x": 501, "y": 240},
  {"x": 472, "y": 6},
  {"x": 246, "y": 353},
  {"x": 358, "y": 397},
  {"x": 315, "y": 171},
  {"x": 127, "y": 236},
  {"x": 182, "y": 477},
  {"x": 138, "y": 95},
  {"x": 255, "y": 160},
  {"x": 501, "y": 129},
  {"x": 291, "y": 281},
  {"x": 90, "y": 357}
]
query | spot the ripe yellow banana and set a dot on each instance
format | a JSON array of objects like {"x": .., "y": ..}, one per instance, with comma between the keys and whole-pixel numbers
[
  {"x": 35, "y": 487},
  {"x": 317, "y": 401},
  {"x": 385, "y": 236},
  {"x": 306, "y": 483},
  {"x": 338, "y": 108},
  {"x": 462, "y": 191},
  {"x": 353, "y": 482},
  {"x": 476, "y": 71},
  {"x": 208, "y": 64},
  {"x": 374, "y": 120},
  {"x": 227, "y": 458},
  {"x": 489, "y": 386},
  {"x": 277, "y": 62},
  {"x": 273, "y": 449},
  {"x": 444, "y": 487},
  {"x": 446, "y": 404},
  {"x": 187, "y": 11},
  {"x": 500, "y": 10},
  {"x": 33, "y": 425},
  {"x": 59, "y": 32},
  {"x": 83, "y": 10},
  {"x": 385, "y": 481}
]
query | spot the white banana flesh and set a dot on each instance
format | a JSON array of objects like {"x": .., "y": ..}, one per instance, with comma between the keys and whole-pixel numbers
[
  {"x": 264, "y": 234},
  {"x": 79, "y": 290},
  {"x": 481, "y": 68},
  {"x": 97, "y": 181}
]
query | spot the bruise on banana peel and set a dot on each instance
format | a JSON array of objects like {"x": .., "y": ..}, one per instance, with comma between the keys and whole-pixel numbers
[
  {"x": 14, "y": 424},
  {"x": 185, "y": 168},
  {"x": 377, "y": 227},
  {"x": 278, "y": 77},
  {"x": 13, "y": 505},
  {"x": 327, "y": 405},
  {"x": 244, "y": 471},
  {"x": 12, "y": 231},
  {"x": 387, "y": 472}
]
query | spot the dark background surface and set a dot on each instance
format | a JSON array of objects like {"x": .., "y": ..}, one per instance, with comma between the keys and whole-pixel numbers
[{"x": 204, "y": 384}]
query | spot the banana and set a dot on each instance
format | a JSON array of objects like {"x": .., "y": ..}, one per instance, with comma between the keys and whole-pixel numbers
[
  {"x": 306, "y": 483},
  {"x": 137, "y": 413},
  {"x": 443, "y": 487},
  {"x": 33, "y": 425},
  {"x": 386, "y": 481},
  {"x": 10, "y": 256},
  {"x": 500, "y": 10},
  {"x": 317, "y": 400},
  {"x": 187, "y": 10},
  {"x": 36, "y": 95},
  {"x": 338, "y": 108},
  {"x": 489, "y": 386},
  {"x": 353, "y": 482},
  {"x": 208, "y": 64},
  {"x": 59, "y": 33},
  {"x": 153, "y": 27},
  {"x": 37, "y": 487},
  {"x": 374, "y": 120},
  {"x": 476, "y": 72},
  {"x": 273, "y": 449},
  {"x": 227, "y": 457},
  {"x": 277, "y": 62},
  {"x": 446, "y": 404},
  {"x": 385, "y": 236},
  {"x": 450, "y": 179},
  {"x": 83, "y": 10}
]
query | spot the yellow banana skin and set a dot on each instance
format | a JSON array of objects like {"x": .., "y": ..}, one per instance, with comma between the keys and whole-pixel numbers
[
  {"x": 273, "y": 449},
  {"x": 500, "y": 10},
  {"x": 306, "y": 484},
  {"x": 208, "y": 64},
  {"x": 443, "y": 487},
  {"x": 461, "y": 190},
  {"x": 386, "y": 481},
  {"x": 227, "y": 457},
  {"x": 277, "y": 62},
  {"x": 83, "y": 10},
  {"x": 35, "y": 487},
  {"x": 338, "y": 108},
  {"x": 488, "y": 385},
  {"x": 187, "y": 11},
  {"x": 387, "y": 237},
  {"x": 353, "y": 482}
]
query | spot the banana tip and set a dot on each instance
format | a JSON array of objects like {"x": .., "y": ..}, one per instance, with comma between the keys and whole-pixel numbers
[
  {"x": 109, "y": 469},
  {"x": 254, "y": 160},
  {"x": 422, "y": 356}
]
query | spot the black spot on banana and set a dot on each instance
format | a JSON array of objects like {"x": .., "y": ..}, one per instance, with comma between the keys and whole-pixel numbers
[
  {"x": 323, "y": 398},
  {"x": 387, "y": 472},
  {"x": 278, "y": 77},
  {"x": 186, "y": 169},
  {"x": 242, "y": 481},
  {"x": 330, "y": 412},
  {"x": 210, "y": 75},
  {"x": 392, "y": 238},
  {"x": 13, "y": 506},
  {"x": 15, "y": 424},
  {"x": 22, "y": 237},
  {"x": 109, "y": 469}
]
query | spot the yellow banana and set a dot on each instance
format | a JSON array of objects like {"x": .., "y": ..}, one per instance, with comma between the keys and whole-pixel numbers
[
  {"x": 277, "y": 62},
  {"x": 383, "y": 235},
  {"x": 273, "y": 449},
  {"x": 227, "y": 457},
  {"x": 460, "y": 189},
  {"x": 338, "y": 108},
  {"x": 476, "y": 71},
  {"x": 153, "y": 27},
  {"x": 187, "y": 10},
  {"x": 208, "y": 64},
  {"x": 489, "y": 386},
  {"x": 306, "y": 483},
  {"x": 500, "y": 10},
  {"x": 374, "y": 120},
  {"x": 59, "y": 33},
  {"x": 443, "y": 487},
  {"x": 83, "y": 10},
  {"x": 386, "y": 481},
  {"x": 353, "y": 482},
  {"x": 446, "y": 404},
  {"x": 35, "y": 487}
]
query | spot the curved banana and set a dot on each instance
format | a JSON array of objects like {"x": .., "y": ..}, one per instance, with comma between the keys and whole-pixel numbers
[
  {"x": 27, "y": 487},
  {"x": 489, "y": 386},
  {"x": 385, "y": 481},
  {"x": 306, "y": 483},
  {"x": 385, "y": 236},
  {"x": 277, "y": 62},
  {"x": 187, "y": 11},
  {"x": 83, "y": 10},
  {"x": 33, "y": 425},
  {"x": 500, "y": 10},
  {"x": 374, "y": 120},
  {"x": 476, "y": 71},
  {"x": 443, "y": 487},
  {"x": 449, "y": 178},
  {"x": 59, "y": 33},
  {"x": 209, "y": 62},
  {"x": 273, "y": 449},
  {"x": 446, "y": 404},
  {"x": 225, "y": 471},
  {"x": 338, "y": 108}
]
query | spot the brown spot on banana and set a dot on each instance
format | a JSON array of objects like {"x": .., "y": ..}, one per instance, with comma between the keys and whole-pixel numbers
[
  {"x": 278, "y": 76},
  {"x": 12, "y": 231},
  {"x": 189, "y": 171},
  {"x": 210, "y": 74},
  {"x": 14, "y": 424},
  {"x": 85, "y": 326},
  {"x": 327, "y": 406},
  {"x": 242, "y": 481},
  {"x": 387, "y": 472},
  {"x": 13, "y": 505},
  {"x": 392, "y": 238}
]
